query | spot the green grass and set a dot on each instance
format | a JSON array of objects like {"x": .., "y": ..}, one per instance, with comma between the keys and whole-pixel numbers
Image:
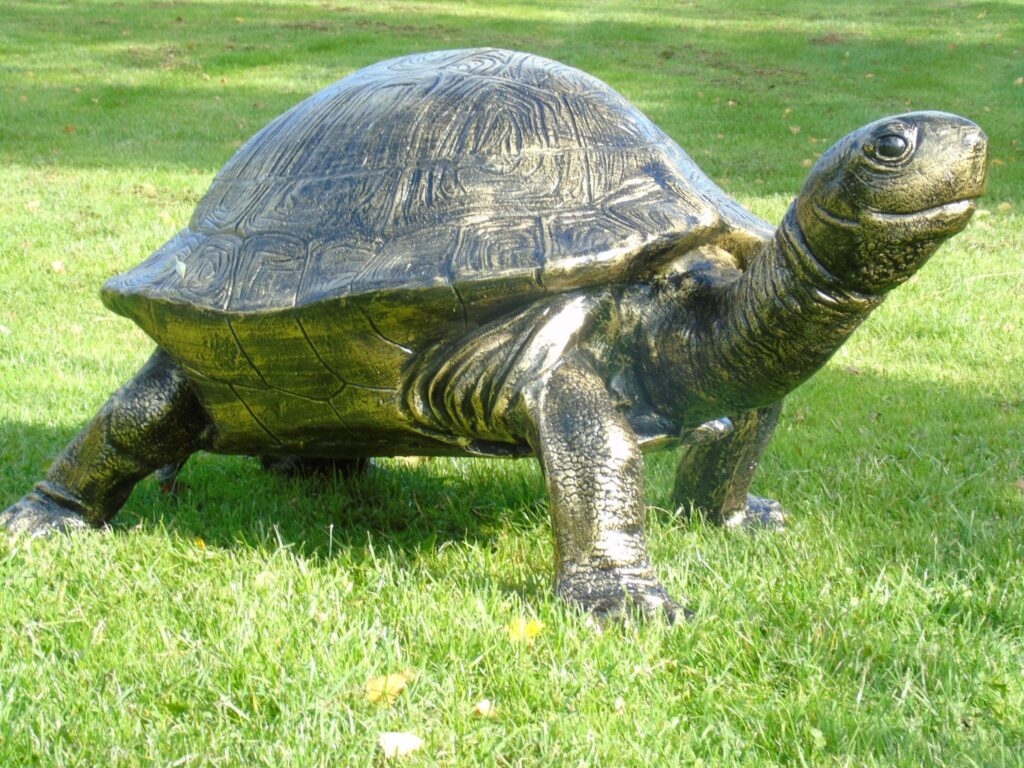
[{"x": 237, "y": 627}]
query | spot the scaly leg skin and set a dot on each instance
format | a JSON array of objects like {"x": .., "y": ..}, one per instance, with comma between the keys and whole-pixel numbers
[
  {"x": 714, "y": 476},
  {"x": 153, "y": 421},
  {"x": 594, "y": 474}
]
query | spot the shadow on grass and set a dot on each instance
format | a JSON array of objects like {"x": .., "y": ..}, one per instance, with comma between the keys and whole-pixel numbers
[
  {"x": 231, "y": 501},
  {"x": 851, "y": 446}
]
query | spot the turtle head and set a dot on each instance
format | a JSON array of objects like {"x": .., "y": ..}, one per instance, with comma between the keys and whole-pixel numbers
[{"x": 880, "y": 201}]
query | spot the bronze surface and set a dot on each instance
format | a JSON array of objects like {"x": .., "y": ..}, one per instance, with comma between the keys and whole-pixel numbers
[{"x": 487, "y": 253}]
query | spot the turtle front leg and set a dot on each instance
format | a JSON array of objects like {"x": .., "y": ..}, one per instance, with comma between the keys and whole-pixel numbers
[
  {"x": 153, "y": 421},
  {"x": 594, "y": 474},
  {"x": 714, "y": 476}
]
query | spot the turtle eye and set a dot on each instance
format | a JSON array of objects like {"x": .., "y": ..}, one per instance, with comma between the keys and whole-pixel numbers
[{"x": 888, "y": 148}]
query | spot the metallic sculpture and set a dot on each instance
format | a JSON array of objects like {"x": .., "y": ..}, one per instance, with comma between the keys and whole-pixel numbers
[{"x": 486, "y": 253}]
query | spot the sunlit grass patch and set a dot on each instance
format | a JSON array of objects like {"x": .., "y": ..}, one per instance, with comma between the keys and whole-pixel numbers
[{"x": 240, "y": 624}]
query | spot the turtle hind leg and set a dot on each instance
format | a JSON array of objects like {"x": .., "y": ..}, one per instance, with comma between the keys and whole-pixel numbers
[
  {"x": 714, "y": 476},
  {"x": 153, "y": 421}
]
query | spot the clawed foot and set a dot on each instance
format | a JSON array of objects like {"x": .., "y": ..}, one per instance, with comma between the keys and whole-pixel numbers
[
  {"x": 758, "y": 514},
  {"x": 615, "y": 594},
  {"x": 38, "y": 515}
]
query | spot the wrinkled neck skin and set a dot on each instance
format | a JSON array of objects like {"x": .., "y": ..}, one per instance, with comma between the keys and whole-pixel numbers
[{"x": 749, "y": 343}]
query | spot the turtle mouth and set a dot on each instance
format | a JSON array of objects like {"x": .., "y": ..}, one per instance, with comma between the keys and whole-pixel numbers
[
  {"x": 955, "y": 210},
  {"x": 952, "y": 216},
  {"x": 939, "y": 220}
]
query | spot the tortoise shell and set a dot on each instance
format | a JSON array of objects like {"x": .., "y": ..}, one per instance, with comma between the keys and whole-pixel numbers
[{"x": 403, "y": 206}]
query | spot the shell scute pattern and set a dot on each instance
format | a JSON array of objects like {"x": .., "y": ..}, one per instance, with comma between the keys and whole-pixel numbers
[
  {"x": 298, "y": 366},
  {"x": 207, "y": 270},
  {"x": 457, "y": 139},
  {"x": 269, "y": 270},
  {"x": 333, "y": 266},
  {"x": 208, "y": 346}
]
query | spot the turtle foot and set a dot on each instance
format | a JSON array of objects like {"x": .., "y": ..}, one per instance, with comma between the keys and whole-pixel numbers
[
  {"x": 759, "y": 514},
  {"x": 36, "y": 515},
  {"x": 619, "y": 594},
  {"x": 169, "y": 480}
]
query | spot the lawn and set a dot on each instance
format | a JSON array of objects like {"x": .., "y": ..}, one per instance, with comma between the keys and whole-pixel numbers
[{"x": 239, "y": 625}]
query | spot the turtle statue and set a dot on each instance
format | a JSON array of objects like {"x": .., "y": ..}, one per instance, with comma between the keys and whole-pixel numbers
[{"x": 489, "y": 253}]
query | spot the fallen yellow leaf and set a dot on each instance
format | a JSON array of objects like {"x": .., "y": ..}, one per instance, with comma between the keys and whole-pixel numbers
[
  {"x": 399, "y": 743},
  {"x": 387, "y": 688},
  {"x": 485, "y": 708},
  {"x": 525, "y": 631}
]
